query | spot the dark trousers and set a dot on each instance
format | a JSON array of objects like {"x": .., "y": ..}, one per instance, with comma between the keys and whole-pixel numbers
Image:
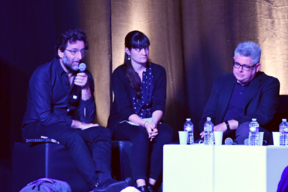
[
  {"x": 242, "y": 133},
  {"x": 77, "y": 141},
  {"x": 145, "y": 153}
]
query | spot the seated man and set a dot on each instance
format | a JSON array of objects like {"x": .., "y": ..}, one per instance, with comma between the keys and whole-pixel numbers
[
  {"x": 237, "y": 98},
  {"x": 57, "y": 91}
]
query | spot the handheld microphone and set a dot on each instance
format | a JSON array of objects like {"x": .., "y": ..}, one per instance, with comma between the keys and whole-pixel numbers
[
  {"x": 76, "y": 91},
  {"x": 229, "y": 141},
  {"x": 82, "y": 67}
]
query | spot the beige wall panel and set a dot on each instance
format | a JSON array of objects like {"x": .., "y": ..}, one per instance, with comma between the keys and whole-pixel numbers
[
  {"x": 273, "y": 39},
  {"x": 95, "y": 17}
]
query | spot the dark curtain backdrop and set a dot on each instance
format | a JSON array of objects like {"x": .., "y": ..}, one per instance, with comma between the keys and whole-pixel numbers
[
  {"x": 211, "y": 31},
  {"x": 194, "y": 40}
]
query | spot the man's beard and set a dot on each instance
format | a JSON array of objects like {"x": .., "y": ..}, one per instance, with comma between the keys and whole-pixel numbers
[{"x": 68, "y": 64}]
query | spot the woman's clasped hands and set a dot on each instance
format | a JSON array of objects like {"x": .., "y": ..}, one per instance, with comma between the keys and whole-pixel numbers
[{"x": 151, "y": 129}]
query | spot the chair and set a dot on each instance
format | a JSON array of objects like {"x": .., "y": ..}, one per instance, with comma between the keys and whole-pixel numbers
[
  {"x": 32, "y": 161},
  {"x": 121, "y": 159},
  {"x": 282, "y": 112}
]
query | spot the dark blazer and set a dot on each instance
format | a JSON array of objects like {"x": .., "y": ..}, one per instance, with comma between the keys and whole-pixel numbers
[
  {"x": 122, "y": 106},
  {"x": 261, "y": 99}
]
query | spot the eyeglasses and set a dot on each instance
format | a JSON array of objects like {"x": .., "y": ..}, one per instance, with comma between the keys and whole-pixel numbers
[
  {"x": 75, "y": 52},
  {"x": 244, "y": 67}
]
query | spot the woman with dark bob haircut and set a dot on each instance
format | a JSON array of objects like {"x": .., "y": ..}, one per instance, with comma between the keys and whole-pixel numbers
[{"x": 140, "y": 94}]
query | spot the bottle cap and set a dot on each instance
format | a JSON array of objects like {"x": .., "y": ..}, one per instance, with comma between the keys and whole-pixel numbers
[
  {"x": 284, "y": 119},
  {"x": 208, "y": 118},
  {"x": 188, "y": 119},
  {"x": 254, "y": 119}
]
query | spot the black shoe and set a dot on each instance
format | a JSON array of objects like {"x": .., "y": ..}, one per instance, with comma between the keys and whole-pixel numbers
[
  {"x": 151, "y": 188},
  {"x": 143, "y": 188},
  {"x": 111, "y": 185}
]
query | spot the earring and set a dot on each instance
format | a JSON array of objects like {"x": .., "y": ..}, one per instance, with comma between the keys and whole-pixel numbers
[{"x": 128, "y": 57}]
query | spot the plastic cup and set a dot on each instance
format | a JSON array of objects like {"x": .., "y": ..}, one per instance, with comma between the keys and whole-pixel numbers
[
  {"x": 218, "y": 137},
  {"x": 260, "y": 139},
  {"x": 276, "y": 138},
  {"x": 183, "y": 137}
]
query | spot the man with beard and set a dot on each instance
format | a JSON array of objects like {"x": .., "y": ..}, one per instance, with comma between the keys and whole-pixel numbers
[
  {"x": 57, "y": 110},
  {"x": 237, "y": 98}
]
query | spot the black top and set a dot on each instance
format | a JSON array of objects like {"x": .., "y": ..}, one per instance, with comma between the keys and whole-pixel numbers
[
  {"x": 236, "y": 104},
  {"x": 122, "y": 107},
  {"x": 51, "y": 100}
]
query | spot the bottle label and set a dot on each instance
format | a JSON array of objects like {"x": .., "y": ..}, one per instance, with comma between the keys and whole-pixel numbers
[
  {"x": 188, "y": 128},
  {"x": 286, "y": 129},
  {"x": 207, "y": 127},
  {"x": 252, "y": 129}
]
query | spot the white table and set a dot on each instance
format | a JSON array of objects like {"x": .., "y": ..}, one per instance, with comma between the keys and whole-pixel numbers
[{"x": 223, "y": 168}]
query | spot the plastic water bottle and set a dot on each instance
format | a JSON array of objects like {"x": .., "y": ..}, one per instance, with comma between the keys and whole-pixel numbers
[
  {"x": 283, "y": 131},
  {"x": 253, "y": 132},
  {"x": 208, "y": 132},
  {"x": 188, "y": 126}
]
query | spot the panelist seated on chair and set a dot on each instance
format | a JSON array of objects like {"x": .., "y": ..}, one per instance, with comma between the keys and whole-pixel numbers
[
  {"x": 140, "y": 95},
  {"x": 56, "y": 91},
  {"x": 237, "y": 98}
]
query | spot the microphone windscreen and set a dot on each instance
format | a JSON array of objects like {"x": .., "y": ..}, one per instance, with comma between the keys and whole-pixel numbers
[
  {"x": 82, "y": 67},
  {"x": 228, "y": 141}
]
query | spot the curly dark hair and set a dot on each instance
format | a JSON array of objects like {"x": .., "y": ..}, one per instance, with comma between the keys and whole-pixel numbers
[{"x": 71, "y": 35}]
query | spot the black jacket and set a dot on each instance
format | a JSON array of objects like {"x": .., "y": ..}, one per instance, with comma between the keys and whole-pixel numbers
[
  {"x": 50, "y": 97},
  {"x": 260, "y": 101}
]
